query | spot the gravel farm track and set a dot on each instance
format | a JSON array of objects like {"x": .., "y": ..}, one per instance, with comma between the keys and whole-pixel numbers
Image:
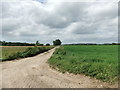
[{"x": 35, "y": 72}]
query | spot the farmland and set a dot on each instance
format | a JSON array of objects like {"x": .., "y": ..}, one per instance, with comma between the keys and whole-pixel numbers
[
  {"x": 98, "y": 61},
  {"x": 12, "y": 51}
]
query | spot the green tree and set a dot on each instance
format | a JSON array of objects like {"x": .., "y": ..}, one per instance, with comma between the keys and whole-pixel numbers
[
  {"x": 57, "y": 42},
  {"x": 37, "y": 43},
  {"x": 47, "y": 44}
]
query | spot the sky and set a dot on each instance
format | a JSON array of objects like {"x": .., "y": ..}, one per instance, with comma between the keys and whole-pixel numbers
[{"x": 91, "y": 21}]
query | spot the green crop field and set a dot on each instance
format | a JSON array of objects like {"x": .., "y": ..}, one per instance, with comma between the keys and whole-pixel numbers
[{"x": 99, "y": 61}]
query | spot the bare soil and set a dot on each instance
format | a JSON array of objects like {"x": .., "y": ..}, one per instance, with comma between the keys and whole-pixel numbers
[{"x": 34, "y": 72}]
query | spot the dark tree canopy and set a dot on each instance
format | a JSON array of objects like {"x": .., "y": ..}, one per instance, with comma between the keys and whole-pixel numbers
[
  {"x": 4, "y": 43},
  {"x": 37, "y": 43},
  {"x": 57, "y": 42},
  {"x": 47, "y": 44}
]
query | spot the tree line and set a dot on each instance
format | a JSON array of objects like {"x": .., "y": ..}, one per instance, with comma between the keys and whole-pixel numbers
[
  {"x": 4, "y": 43},
  {"x": 55, "y": 43}
]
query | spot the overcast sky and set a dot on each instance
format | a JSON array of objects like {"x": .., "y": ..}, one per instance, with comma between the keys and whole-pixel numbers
[{"x": 71, "y": 22}]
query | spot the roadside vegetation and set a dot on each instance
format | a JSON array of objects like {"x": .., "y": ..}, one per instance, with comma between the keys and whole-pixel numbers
[
  {"x": 99, "y": 61},
  {"x": 7, "y": 51},
  {"x": 11, "y": 53},
  {"x": 16, "y": 50}
]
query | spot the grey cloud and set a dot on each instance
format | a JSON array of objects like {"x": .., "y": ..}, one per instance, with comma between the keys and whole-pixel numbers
[
  {"x": 70, "y": 22},
  {"x": 64, "y": 14},
  {"x": 85, "y": 28},
  {"x": 56, "y": 21},
  {"x": 73, "y": 11}
]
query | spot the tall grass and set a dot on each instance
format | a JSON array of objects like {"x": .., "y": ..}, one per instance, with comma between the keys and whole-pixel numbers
[
  {"x": 25, "y": 52},
  {"x": 99, "y": 61},
  {"x": 6, "y": 51}
]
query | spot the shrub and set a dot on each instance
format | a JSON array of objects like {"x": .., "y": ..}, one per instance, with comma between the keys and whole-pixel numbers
[
  {"x": 29, "y": 52},
  {"x": 47, "y": 44}
]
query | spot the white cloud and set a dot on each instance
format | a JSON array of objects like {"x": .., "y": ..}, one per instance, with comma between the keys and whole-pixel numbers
[{"x": 69, "y": 21}]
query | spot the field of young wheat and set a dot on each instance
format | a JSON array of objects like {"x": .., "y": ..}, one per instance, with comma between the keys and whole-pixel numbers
[{"x": 99, "y": 61}]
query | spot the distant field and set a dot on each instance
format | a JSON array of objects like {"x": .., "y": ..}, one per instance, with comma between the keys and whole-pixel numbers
[
  {"x": 11, "y": 50},
  {"x": 99, "y": 61}
]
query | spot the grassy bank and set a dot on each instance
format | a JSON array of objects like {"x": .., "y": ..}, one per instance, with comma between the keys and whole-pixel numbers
[
  {"x": 99, "y": 61},
  {"x": 13, "y": 52}
]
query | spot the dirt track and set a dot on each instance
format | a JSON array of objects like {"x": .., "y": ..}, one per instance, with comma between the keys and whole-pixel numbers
[{"x": 34, "y": 72}]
